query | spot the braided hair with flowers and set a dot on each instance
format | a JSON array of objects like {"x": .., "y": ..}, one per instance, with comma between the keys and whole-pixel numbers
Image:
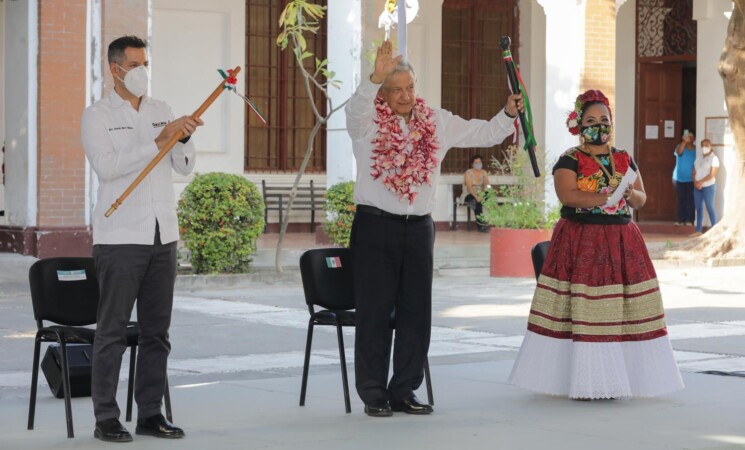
[{"x": 591, "y": 97}]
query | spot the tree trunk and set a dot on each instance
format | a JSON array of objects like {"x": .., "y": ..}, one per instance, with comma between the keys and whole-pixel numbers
[{"x": 727, "y": 238}]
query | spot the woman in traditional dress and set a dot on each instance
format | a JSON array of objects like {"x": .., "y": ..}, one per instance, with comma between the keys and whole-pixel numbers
[{"x": 596, "y": 327}]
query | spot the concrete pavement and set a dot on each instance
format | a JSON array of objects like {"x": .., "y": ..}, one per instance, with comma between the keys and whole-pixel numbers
[{"x": 237, "y": 356}]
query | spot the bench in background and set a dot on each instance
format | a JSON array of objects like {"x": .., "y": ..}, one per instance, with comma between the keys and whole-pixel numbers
[
  {"x": 496, "y": 182},
  {"x": 308, "y": 198}
]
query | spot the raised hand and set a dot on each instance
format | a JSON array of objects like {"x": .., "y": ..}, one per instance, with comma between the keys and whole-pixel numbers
[{"x": 385, "y": 63}]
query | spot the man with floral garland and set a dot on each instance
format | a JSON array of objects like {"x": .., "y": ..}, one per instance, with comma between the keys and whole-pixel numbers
[{"x": 399, "y": 143}]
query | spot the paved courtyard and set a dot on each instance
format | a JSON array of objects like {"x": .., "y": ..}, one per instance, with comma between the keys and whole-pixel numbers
[{"x": 238, "y": 351}]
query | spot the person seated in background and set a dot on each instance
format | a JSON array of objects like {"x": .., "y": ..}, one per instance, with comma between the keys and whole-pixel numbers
[{"x": 475, "y": 181}]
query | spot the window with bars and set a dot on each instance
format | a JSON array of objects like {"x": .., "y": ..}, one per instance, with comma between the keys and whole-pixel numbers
[
  {"x": 474, "y": 81},
  {"x": 665, "y": 30},
  {"x": 275, "y": 85}
]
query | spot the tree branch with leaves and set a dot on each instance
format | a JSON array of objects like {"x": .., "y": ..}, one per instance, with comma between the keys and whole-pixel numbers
[{"x": 297, "y": 20}]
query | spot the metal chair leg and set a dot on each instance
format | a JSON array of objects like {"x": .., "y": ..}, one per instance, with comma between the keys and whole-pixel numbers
[
  {"x": 131, "y": 381},
  {"x": 306, "y": 364},
  {"x": 34, "y": 383},
  {"x": 428, "y": 379},
  {"x": 343, "y": 359},
  {"x": 167, "y": 398},
  {"x": 66, "y": 387},
  {"x": 454, "y": 224}
]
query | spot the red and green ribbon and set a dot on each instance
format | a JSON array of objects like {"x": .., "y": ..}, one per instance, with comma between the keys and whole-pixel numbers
[
  {"x": 230, "y": 84},
  {"x": 530, "y": 138}
]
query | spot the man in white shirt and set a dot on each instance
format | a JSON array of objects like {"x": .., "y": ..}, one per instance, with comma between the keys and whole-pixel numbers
[
  {"x": 399, "y": 143},
  {"x": 135, "y": 249}
]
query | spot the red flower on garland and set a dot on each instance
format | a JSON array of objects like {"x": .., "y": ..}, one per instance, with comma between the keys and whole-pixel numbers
[{"x": 404, "y": 162}]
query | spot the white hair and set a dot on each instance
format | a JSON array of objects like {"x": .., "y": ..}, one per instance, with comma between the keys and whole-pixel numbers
[{"x": 402, "y": 66}]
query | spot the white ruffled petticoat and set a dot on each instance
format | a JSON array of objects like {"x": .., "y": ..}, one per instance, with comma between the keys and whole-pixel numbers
[{"x": 596, "y": 370}]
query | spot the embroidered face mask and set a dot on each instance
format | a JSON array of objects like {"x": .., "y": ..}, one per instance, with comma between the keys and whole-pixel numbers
[
  {"x": 136, "y": 80},
  {"x": 596, "y": 134}
]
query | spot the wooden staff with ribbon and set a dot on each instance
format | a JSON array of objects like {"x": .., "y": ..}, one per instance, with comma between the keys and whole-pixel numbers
[
  {"x": 526, "y": 117},
  {"x": 171, "y": 142}
]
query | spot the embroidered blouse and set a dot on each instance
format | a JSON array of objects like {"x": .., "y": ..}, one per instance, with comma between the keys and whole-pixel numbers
[{"x": 591, "y": 178}]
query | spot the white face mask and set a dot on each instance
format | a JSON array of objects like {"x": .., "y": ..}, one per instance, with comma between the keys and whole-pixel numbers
[
  {"x": 706, "y": 150},
  {"x": 477, "y": 166},
  {"x": 136, "y": 80}
]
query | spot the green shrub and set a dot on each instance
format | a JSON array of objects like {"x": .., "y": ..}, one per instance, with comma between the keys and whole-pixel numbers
[
  {"x": 220, "y": 218},
  {"x": 524, "y": 207},
  {"x": 340, "y": 210}
]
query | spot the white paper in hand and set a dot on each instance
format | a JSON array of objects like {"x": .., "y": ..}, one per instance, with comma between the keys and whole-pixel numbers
[{"x": 627, "y": 180}]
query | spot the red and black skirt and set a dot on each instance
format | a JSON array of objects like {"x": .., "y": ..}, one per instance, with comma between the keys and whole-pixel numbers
[{"x": 596, "y": 327}]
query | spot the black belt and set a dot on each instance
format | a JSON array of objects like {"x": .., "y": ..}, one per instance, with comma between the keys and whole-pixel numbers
[{"x": 367, "y": 209}]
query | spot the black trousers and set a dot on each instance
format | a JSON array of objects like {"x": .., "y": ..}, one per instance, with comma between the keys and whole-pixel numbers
[
  {"x": 126, "y": 273},
  {"x": 686, "y": 207},
  {"x": 477, "y": 209},
  {"x": 393, "y": 265}
]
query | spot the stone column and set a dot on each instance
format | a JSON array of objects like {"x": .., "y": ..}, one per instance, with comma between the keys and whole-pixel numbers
[
  {"x": 712, "y": 20},
  {"x": 20, "y": 28},
  {"x": 343, "y": 20},
  {"x": 565, "y": 61}
]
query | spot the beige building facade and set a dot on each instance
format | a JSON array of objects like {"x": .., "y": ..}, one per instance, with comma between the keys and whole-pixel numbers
[{"x": 54, "y": 65}]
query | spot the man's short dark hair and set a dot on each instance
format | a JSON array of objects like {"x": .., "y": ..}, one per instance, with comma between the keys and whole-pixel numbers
[
  {"x": 475, "y": 157},
  {"x": 117, "y": 47}
]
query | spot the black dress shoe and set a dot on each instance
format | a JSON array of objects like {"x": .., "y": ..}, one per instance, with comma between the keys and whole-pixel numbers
[
  {"x": 379, "y": 408},
  {"x": 111, "y": 430},
  {"x": 158, "y": 426},
  {"x": 411, "y": 405}
]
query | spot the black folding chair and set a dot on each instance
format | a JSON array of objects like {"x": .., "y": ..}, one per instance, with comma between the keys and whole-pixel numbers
[
  {"x": 64, "y": 291},
  {"x": 538, "y": 254},
  {"x": 328, "y": 283}
]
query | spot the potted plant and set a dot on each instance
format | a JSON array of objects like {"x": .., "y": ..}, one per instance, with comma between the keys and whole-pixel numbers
[{"x": 517, "y": 214}]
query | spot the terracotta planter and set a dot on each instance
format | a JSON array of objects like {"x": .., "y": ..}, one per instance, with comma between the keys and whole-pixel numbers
[{"x": 510, "y": 251}]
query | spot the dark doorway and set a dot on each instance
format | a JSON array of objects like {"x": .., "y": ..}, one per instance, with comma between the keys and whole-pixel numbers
[{"x": 665, "y": 97}]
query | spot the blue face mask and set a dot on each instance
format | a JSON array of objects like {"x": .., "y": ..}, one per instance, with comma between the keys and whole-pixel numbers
[
  {"x": 596, "y": 134},
  {"x": 478, "y": 166}
]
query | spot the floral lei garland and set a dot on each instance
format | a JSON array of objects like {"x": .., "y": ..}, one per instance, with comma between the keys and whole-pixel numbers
[{"x": 403, "y": 170}]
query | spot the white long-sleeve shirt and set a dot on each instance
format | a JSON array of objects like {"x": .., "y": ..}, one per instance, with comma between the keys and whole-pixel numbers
[
  {"x": 451, "y": 131},
  {"x": 119, "y": 142}
]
